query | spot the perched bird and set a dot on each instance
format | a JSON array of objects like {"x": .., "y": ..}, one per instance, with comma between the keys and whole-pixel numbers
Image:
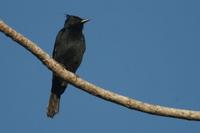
[{"x": 68, "y": 51}]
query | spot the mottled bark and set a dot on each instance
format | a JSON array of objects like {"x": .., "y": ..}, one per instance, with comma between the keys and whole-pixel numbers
[{"x": 93, "y": 89}]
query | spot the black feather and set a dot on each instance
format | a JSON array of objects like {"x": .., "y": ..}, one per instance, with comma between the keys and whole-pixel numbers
[{"x": 68, "y": 51}]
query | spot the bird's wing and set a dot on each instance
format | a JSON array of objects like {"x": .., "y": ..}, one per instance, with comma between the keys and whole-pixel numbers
[{"x": 57, "y": 43}]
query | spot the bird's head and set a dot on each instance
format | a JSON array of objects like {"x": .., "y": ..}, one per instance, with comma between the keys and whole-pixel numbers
[{"x": 74, "y": 22}]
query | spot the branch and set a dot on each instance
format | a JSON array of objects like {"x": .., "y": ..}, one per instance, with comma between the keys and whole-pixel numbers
[{"x": 93, "y": 89}]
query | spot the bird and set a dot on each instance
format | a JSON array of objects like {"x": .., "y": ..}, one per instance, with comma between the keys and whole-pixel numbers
[{"x": 68, "y": 51}]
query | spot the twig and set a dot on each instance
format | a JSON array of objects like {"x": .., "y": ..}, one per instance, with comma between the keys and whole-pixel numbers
[{"x": 93, "y": 89}]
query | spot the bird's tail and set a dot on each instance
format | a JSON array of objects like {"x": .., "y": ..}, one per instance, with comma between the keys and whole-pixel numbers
[{"x": 53, "y": 107}]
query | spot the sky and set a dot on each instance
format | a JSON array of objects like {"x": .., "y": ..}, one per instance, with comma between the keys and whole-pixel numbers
[{"x": 144, "y": 49}]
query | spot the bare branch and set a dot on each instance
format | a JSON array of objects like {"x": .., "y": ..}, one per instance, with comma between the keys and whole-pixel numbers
[{"x": 91, "y": 88}]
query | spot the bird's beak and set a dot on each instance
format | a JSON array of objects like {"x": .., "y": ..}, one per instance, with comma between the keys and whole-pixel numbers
[{"x": 84, "y": 20}]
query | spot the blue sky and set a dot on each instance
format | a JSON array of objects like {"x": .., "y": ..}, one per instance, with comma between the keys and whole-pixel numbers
[{"x": 147, "y": 50}]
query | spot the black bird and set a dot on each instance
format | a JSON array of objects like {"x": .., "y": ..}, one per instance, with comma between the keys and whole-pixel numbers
[{"x": 68, "y": 51}]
